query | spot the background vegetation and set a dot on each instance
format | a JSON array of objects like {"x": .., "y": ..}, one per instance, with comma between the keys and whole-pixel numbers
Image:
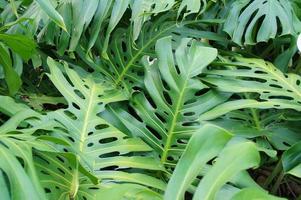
[{"x": 150, "y": 99}]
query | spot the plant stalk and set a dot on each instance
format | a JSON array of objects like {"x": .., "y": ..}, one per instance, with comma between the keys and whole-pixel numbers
[{"x": 275, "y": 172}]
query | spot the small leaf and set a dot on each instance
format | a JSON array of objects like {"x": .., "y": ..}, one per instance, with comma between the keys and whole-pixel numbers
[
  {"x": 48, "y": 8},
  {"x": 21, "y": 44},
  {"x": 12, "y": 79},
  {"x": 292, "y": 160}
]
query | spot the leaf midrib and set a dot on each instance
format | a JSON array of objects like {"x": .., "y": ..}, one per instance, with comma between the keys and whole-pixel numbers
[
  {"x": 155, "y": 38},
  {"x": 86, "y": 119},
  {"x": 129, "y": 64},
  {"x": 174, "y": 120}
]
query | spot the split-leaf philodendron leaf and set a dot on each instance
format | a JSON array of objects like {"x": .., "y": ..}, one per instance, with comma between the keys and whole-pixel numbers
[{"x": 150, "y": 99}]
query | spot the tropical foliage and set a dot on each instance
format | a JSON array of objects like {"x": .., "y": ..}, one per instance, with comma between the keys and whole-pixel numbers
[{"x": 150, "y": 99}]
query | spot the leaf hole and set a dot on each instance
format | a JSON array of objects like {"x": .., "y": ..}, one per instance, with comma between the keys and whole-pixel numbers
[
  {"x": 111, "y": 154},
  {"x": 276, "y": 86},
  {"x": 189, "y": 114},
  {"x": 160, "y": 117},
  {"x": 202, "y": 92},
  {"x": 70, "y": 114},
  {"x": 167, "y": 98},
  {"x": 281, "y": 97},
  {"x": 107, "y": 140},
  {"x": 79, "y": 94},
  {"x": 60, "y": 170},
  {"x": 47, "y": 190},
  {"x": 110, "y": 168},
  {"x": 101, "y": 126},
  {"x": 75, "y": 106},
  {"x": 153, "y": 131},
  {"x": 134, "y": 114},
  {"x": 60, "y": 159}
]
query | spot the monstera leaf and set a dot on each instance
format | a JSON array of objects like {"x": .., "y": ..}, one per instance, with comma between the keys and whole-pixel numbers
[
  {"x": 210, "y": 141},
  {"x": 61, "y": 179},
  {"x": 123, "y": 63},
  {"x": 78, "y": 16},
  {"x": 274, "y": 88},
  {"x": 175, "y": 98},
  {"x": 255, "y": 123},
  {"x": 101, "y": 148},
  {"x": 250, "y": 22},
  {"x": 17, "y": 141}
]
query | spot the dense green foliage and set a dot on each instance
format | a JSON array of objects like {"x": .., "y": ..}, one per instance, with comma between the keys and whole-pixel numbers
[{"x": 150, "y": 99}]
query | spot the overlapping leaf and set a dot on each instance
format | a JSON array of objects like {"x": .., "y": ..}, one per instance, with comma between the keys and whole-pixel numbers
[
  {"x": 17, "y": 142},
  {"x": 274, "y": 88},
  {"x": 175, "y": 98},
  {"x": 250, "y": 22},
  {"x": 234, "y": 156},
  {"x": 101, "y": 147},
  {"x": 123, "y": 58}
]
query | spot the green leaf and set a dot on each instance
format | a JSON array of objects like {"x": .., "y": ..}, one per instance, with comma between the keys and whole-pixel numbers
[
  {"x": 17, "y": 177},
  {"x": 20, "y": 44},
  {"x": 82, "y": 15},
  {"x": 100, "y": 15},
  {"x": 61, "y": 178},
  {"x": 126, "y": 70},
  {"x": 119, "y": 7},
  {"x": 16, "y": 144},
  {"x": 238, "y": 155},
  {"x": 175, "y": 98},
  {"x": 12, "y": 79},
  {"x": 48, "y": 8},
  {"x": 192, "y": 6},
  {"x": 100, "y": 147},
  {"x": 203, "y": 146},
  {"x": 250, "y": 22},
  {"x": 292, "y": 160},
  {"x": 144, "y": 9},
  {"x": 4, "y": 188},
  {"x": 127, "y": 191},
  {"x": 245, "y": 75},
  {"x": 254, "y": 193}
]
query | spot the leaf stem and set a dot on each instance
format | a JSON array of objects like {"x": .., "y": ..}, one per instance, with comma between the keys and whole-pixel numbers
[
  {"x": 274, "y": 173},
  {"x": 277, "y": 183},
  {"x": 255, "y": 118}
]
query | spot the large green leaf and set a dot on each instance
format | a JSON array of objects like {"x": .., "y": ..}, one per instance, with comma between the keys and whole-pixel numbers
[
  {"x": 123, "y": 64},
  {"x": 91, "y": 16},
  {"x": 61, "y": 178},
  {"x": 255, "y": 123},
  {"x": 101, "y": 148},
  {"x": 274, "y": 88},
  {"x": 175, "y": 98},
  {"x": 16, "y": 143},
  {"x": 250, "y": 22},
  {"x": 210, "y": 141},
  {"x": 203, "y": 146},
  {"x": 238, "y": 155}
]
